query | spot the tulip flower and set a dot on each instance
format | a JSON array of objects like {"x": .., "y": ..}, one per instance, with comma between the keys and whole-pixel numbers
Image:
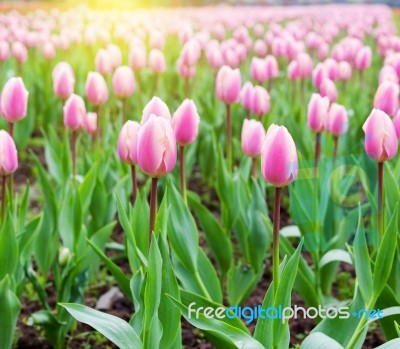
[
  {"x": 396, "y": 122},
  {"x": 185, "y": 123},
  {"x": 279, "y": 166},
  {"x": 253, "y": 135},
  {"x": 156, "y": 107},
  {"x": 74, "y": 115},
  {"x": 362, "y": 61},
  {"x": 103, "y": 62},
  {"x": 4, "y": 50},
  {"x": 20, "y": 54},
  {"x": 157, "y": 65},
  {"x": 138, "y": 61},
  {"x": 156, "y": 151},
  {"x": 123, "y": 84},
  {"x": 96, "y": 89},
  {"x": 63, "y": 80},
  {"x": 227, "y": 90},
  {"x": 48, "y": 51},
  {"x": 14, "y": 102},
  {"x": 8, "y": 164},
  {"x": 90, "y": 123},
  {"x": 328, "y": 89},
  {"x": 317, "y": 115},
  {"x": 260, "y": 101},
  {"x": 246, "y": 97},
  {"x": 337, "y": 125},
  {"x": 115, "y": 55},
  {"x": 381, "y": 145},
  {"x": 127, "y": 150},
  {"x": 344, "y": 73},
  {"x": 319, "y": 74},
  {"x": 387, "y": 98}
]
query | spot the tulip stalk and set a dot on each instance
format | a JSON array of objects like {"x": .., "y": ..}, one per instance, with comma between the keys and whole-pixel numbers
[
  {"x": 335, "y": 148},
  {"x": 153, "y": 206},
  {"x": 73, "y": 152},
  {"x": 229, "y": 137},
  {"x": 182, "y": 172},
  {"x": 275, "y": 241},
  {"x": 134, "y": 184},
  {"x": 124, "y": 105},
  {"x": 380, "y": 200},
  {"x": 3, "y": 196},
  {"x": 317, "y": 153}
]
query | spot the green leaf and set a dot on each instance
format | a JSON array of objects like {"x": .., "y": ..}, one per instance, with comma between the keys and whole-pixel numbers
[
  {"x": 10, "y": 307},
  {"x": 227, "y": 335},
  {"x": 319, "y": 340},
  {"x": 385, "y": 256},
  {"x": 115, "y": 329},
  {"x": 87, "y": 187},
  {"x": 393, "y": 344},
  {"x": 8, "y": 248},
  {"x": 335, "y": 256}
]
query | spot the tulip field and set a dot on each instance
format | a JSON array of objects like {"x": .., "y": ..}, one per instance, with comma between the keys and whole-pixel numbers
[{"x": 210, "y": 177}]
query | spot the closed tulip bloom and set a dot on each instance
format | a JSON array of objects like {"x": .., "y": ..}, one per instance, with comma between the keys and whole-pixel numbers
[
  {"x": 246, "y": 95},
  {"x": 19, "y": 51},
  {"x": 293, "y": 70},
  {"x": 363, "y": 58},
  {"x": 380, "y": 136},
  {"x": 156, "y": 107},
  {"x": 123, "y": 82},
  {"x": 14, "y": 100},
  {"x": 260, "y": 101},
  {"x": 48, "y": 51},
  {"x": 4, "y": 50},
  {"x": 387, "y": 98},
  {"x": 103, "y": 62},
  {"x": 279, "y": 164},
  {"x": 253, "y": 135},
  {"x": 258, "y": 69},
  {"x": 396, "y": 122},
  {"x": 260, "y": 48},
  {"x": 214, "y": 57},
  {"x": 185, "y": 122},
  {"x": 74, "y": 112},
  {"x": 96, "y": 88},
  {"x": 90, "y": 123},
  {"x": 328, "y": 89},
  {"x": 305, "y": 65},
  {"x": 319, "y": 74},
  {"x": 317, "y": 113},
  {"x": 271, "y": 66},
  {"x": 115, "y": 55},
  {"x": 227, "y": 85},
  {"x": 137, "y": 57},
  {"x": 128, "y": 142},
  {"x": 8, "y": 154},
  {"x": 157, "y": 61},
  {"x": 156, "y": 147},
  {"x": 344, "y": 71},
  {"x": 338, "y": 122},
  {"x": 332, "y": 68},
  {"x": 63, "y": 80}
]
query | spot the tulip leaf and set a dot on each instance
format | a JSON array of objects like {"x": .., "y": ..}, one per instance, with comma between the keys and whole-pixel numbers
[
  {"x": 318, "y": 340},
  {"x": 8, "y": 248}
]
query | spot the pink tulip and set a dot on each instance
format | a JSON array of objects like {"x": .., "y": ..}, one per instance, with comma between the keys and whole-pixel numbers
[
  {"x": 271, "y": 66},
  {"x": 90, "y": 123},
  {"x": 137, "y": 57},
  {"x": 260, "y": 101},
  {"x": 14, "y": 100},
  {"x": 258, "y": 69},
  {"x": 156, "y": 107},
  {"x": 103, "y": 62},
  {"x": 157, "y": 40},
  {"x": 227, "y": 85},
  {"x": 74, "y": 112},
  {"x": 380, "y": 136},
  {"x": 246, "y": 95},
  {"x": 332, "y": 68},
  {"x": 4, "y": 50},
  {"x": 317, "y": 112},
  {"x": 363, "y": 58},
  {"x": 293, "y": 70},
  {"x": 279, "y": 164},
  {"x": 328, "y": 89},
  {"x": 115, "y": 55},
  {"x": 185, "y": 122},
  {"x": 190, "y": 53},
  {"x": 338, "y": 123},
  {"x": 344, "y": 71},
  {"x": 319, "y": 74},
  {"x": 387, "y": 98},
  {"x": 8, "y": 154},
  {"x": 186, "y": 71},
  {"x": 305, "y": 65},
  {"x": 396, "y": 123},
  {"x": 260, "y": 48},
  {"x": 253, "y": 135},
  {"x": 48, "y": 51},
  {"x": 156, "y": 147},
  {"x": 96, "y": 89},
  {"x": 19, "y": 52},
  {"x": 63, "y": 80},
  {"x": 123, "y": 82},
  {"x": 128, "y": 142},
  {"x": 214, "y": 57},
  {"x": 157, "y": 61}
]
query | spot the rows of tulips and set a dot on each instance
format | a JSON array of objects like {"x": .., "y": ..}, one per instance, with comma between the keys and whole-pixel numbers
[{"x": 270, "y": 109}]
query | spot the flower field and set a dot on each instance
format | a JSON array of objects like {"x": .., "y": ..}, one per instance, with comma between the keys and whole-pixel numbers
[{"x": 211, "y": 177}]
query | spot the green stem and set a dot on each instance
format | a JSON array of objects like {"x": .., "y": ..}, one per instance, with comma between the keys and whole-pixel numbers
[
  {"x": 381, "y": 223},
  {"x": 153, "y": 206},
  {"x": 317, "y": 153},
  {"x": 182, "y": 172},
  {"x": 73, "y": 153},
  {"x": 134, "y": 184},
  {"x": 275, "y": 243},
  {"x": 201, "y": 284},
  {"x": 229, "y": 137},
  {"x": 3, "y": 197}
]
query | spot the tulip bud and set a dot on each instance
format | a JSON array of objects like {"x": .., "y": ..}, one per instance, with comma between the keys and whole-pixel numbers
[
  {"x": 319, "y": 74},
  {"x": 4, "y": 50},
  {"x": 396, "y": 122},
  {"x": 214, "y": 57},
  {"x": 293, "y": 70},
  {"x": 246, "y": 95},
  {"x": 332, "y": 68},
  {"x": 338, "y": 123},
  {"x": 253, "y": 135},
  {"x": 103, "y": 62},
  {"x": 115, "y": 55},
  {"x": 64, "y": 256},
  {"x": 128, "y": 142},
  {"x": 19, "y": 52},
  {"x": 305, "y": 65},
  {"x": 380, "y": 136},
  {"x": 123, "y": 82},
  {"x": 227, "y": 85},
  {"x": 185, "y": 122},
  {"x": 260, "y": 101},
  {"x": 74, "y": 112},
  {"x": 363, "y": 58},
  {"x": 344, "y": 71},
  {"x": 137, "y": 57},
  {"x": 258, "y": 69},
  {"x": 328, "y": 89},
  {"x": 48, "y": 51},
  {"x": 90, "y": 123},
  {"x": 279, "y": 164},
  {"x": 317, "y": 112},
  {"x": 96, "y": 88},
  {"x": 271, "y": 66},
  {"x": 63, "y": 80},
  {"x": 260, "y": 48},
  {"x": 14, "y": 100},
  {"x": 157, "y": 61},
  {"x": 156, "y": 147},
  {"x": 157, "y": 107},
  {"x": 8, "y": 154},
  {"x": 387, "y": 98}
]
